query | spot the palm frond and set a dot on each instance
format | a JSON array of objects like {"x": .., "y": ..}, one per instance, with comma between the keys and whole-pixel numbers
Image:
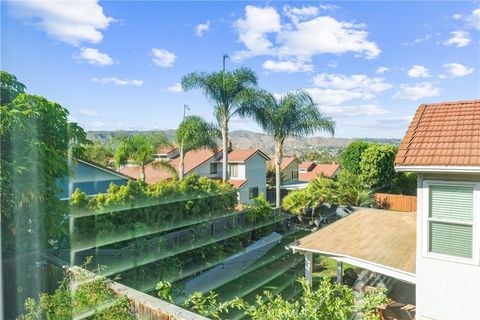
[{"x": 166, "y": 166}]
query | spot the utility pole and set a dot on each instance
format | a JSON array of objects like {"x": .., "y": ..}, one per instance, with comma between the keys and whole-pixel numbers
[
  {"x": 225, "y": 56},
  {"x": 185, "y": 108}
]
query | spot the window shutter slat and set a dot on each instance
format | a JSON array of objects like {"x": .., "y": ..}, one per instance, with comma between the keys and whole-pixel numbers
[
  {"x": 451, "y": 203},
  {"x": 451, "y": 239}
]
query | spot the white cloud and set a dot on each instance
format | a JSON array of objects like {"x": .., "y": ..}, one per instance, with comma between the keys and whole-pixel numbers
[
  {"x": 457, "y": 69},
  {"x": 331, "y": 97},
  {"x": 458, "y": 38},
  {"x": 352, "y": 111},
  {"x": 381, "y": 70},
  {"x": 262, "y": 33},
  {"x": 118, "y": 82},
  {"x": 201, "y": 28},
  {"x": 287, "y": 66},
  {"x": 328, "y": 7},
  {"x": 416, "y": 92},
  {"x": 253, "y": 30},
  {"x": 72, "y": 22},
  {"x": 457, "y": 16},
  {"x": 88, "y": 113},
  {"x": 471, "y": 20},
  {"x": 93, "y": 56},
  {"x": 334, "y": 89},
  {"x": 358, "y": 82},
  {"x": 297, "y": 14},
  {"x": 474, "y": 19},
  {"x": 163, "y": 58},
  {"x": 442, "y": 76},
  {"x": 418, "y": 72},
  {"x": 176, "y": 88}
]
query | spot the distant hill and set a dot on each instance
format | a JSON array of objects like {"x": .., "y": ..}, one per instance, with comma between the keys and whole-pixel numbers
[{"x": 242, "y": 139}]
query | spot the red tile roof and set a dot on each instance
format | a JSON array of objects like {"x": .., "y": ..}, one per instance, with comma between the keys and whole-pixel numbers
[
  {"x": 286, "y": 161},
  {"x": 237, "y": 183},
  {"x": 442, "y": 134},
  {"x": 327, "y": 170},
  {"x": 307, "y": 165},
  {"x": 243, "y": 155},
  {"x": 193, "y": 159}
]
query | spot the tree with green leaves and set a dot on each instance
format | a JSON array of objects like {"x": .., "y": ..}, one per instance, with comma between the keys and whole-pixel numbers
[
  {"x": 227, "y": 91},
  {"x": 98, "y": 152},
  {"x": 36, "y": 141},
  {"x": 292, "y": 115},
  {"x": 141, "y": 149},
  {"x": 377, "y": 169},
  {"x": 194, "y": 133},
  {"x": 352, "y": 156}
]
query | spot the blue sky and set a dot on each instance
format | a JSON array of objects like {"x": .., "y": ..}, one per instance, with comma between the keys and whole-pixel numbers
[{"x": 117, "y": 64}]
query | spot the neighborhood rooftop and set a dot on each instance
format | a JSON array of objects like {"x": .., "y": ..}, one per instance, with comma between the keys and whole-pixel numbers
[{"x": 442, "y": 134}]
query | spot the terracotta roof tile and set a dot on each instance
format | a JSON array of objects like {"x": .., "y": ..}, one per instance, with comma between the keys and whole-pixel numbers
[
  {"x": 286, "y": 161},
  {"x": 237, "y": 183},
  {"x": 442, "y": 134},
  {"x": 327, "y": 170},
  {"x": 243, "y": 155}
]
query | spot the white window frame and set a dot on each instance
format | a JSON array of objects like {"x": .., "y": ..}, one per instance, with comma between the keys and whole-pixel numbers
[
  {"x": 237, "y": 166},
  {"x": 475, "y": 260}
]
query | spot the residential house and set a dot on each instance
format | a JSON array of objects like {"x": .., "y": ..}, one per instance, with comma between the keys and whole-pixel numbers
[
  {"x": 309, "y": 170},
  {"x": 246, "y": 169},
  {"x": 438, "y": 248},
  {"x": 442, "y": 146},
  {"x": 91, "y": 178},
  {"x": 288, "y": 168}
]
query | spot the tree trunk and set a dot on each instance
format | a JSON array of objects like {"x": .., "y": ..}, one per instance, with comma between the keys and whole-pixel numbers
[
  {"x": 143, "y": 173},
  {"x": 225, "y": 148},
  {"x": 278, "y": 174},
  {"x": 181, "y": 165}
]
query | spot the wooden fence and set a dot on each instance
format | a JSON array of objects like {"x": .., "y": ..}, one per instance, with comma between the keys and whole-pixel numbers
[{"x": 396, "y": 202}]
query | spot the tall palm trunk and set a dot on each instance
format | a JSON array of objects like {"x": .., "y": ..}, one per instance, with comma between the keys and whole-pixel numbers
[
  {"x": 181, "y": 165},
  {"x": 278, "y": 174},
  {"x": 225, "y": 147},
  {"x": 143, "y": 173}
]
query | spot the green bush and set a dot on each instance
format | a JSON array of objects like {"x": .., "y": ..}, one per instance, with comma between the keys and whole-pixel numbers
[
  {"x": 377, "y": 166},
  {"x": 352, "y": 156}
]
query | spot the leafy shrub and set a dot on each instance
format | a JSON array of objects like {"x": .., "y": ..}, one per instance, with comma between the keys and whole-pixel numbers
[
  {"x": 260, "y": 210},
  {"x": 352, "y": 156},
  {"x": 377, "y": 166}
]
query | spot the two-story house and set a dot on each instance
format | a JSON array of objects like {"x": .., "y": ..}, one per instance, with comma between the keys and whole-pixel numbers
[
  {"x": 442, "y": 145},
  {"x": 288, "y": 169},
  {"x": 246, "y": 169},
  {"x": 437, "y": 249}
]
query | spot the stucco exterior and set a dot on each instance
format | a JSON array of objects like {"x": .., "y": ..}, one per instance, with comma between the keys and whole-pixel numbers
[
  {"x": 287, "y": 172},
  {"x": 254, "y": 169},
  {"x": 445, "y": 288}
]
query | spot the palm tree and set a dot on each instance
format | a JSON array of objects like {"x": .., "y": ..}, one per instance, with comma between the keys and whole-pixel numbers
[
  {"x": 292, "y": 115},
  {"x": 192, "y": 134},
  {"x": 141, "y": 149},
  {"x": 227, "y": 91}
]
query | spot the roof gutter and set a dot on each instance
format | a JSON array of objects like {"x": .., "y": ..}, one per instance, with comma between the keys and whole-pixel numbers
[
  {"x": 375, "y": 267},
  {"x": 440, "y": 169}
]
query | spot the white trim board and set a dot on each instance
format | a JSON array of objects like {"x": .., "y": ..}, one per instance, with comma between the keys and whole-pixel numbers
[
  {"x": 388, "y": 271},
  {"x": 444, "y": 169}
]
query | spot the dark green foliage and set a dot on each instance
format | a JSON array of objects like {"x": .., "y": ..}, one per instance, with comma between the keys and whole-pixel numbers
[
  {"x": 98, "y": 152},
  {"x": 36, "y": 139},
  {"x": 405, "y": 183},
  {"x": 324, "y": 156},
  {"x": 90, "y": 296},
  {"x": 261, "y": 209},
  {"x": 352, "y": 156},
  {"x": 328, "y": 301},
  {"x": 377, "y": 166},
  {"x": 10, "y": 88}
]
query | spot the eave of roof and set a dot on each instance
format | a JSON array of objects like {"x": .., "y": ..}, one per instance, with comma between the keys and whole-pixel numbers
[
  {"x": 377, "y": 239},
  {"x": 107, "y": 169}
]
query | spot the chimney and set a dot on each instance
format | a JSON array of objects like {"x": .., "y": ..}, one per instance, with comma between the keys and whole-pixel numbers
[{"x": 230, "y": 146}]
